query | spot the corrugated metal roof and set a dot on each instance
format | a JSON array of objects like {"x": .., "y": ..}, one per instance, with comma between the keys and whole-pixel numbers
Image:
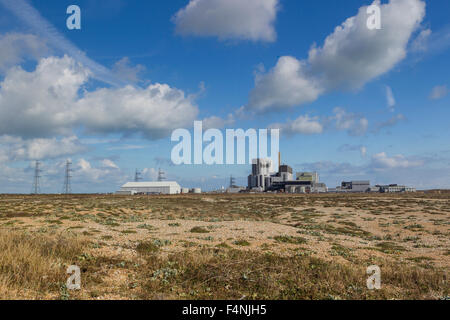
[{"x": 151, "y": 184}]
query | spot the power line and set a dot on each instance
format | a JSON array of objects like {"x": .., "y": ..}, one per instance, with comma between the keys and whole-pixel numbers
[
  {"x": 67, "y": 189},
  {"x": 36, "y": 181}
]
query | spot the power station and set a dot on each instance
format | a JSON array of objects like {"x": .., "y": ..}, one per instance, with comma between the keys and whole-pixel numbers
[{"x": 263, "y": 179}]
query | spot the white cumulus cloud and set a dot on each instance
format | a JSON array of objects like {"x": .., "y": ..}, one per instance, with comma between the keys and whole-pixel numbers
[
  {"x": 86, "y": 172},
  {"x": 383, "y": 161},
  {"x": 153, "y": 111},
  {"x": 52, "y": 100},
  {"x": 126, "y": 71},
  {"x": 150, "y": 174},
  {"x": 286, "y": 85},
  {"x": 390, "y": 98},
  {"x": 302, "y": 125},
  {"x": 18, "y": 149},
  {"x": 350, "y": 57},
  {"x": 215, "y": 122},
  {"x": 15, "y": 47},
  {"x": 420, "y": 43},
  {"x": 363, "y": 151},
  {"x": 439, "y": 92},
  {"x": 228, "y": 19},
  {"x": 106, "y": 163},
  {"x": 354, "y": 124}
]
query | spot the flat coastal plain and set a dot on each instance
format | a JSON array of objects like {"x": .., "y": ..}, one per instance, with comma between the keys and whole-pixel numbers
[{"x": 244, "y": 246}]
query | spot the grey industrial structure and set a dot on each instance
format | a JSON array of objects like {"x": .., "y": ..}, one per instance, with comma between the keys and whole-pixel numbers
[
  {"x": 354, "y": 186},
  {"x": 263, "y": 179},
  {"x": 364, "y": 186},
  {"x": 233, "y": 188},
  {"x": 392, "y": 188},
  {"x": 261, "y": 174}
]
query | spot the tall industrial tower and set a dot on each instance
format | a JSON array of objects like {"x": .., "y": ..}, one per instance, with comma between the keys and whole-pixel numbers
[
  {"x": 161, "y": 175},
  {"x": 137, "y": 176},
  {"x": 67, "y": 189},
  {"x": 37, "y": 175}
]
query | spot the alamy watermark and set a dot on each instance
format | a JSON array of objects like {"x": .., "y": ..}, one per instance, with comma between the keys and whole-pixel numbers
[
  {"x": 73, "y": 22},
  {"x": 374, "y": 280},
  {"x": 236, "y": 151},
  {"x": 74, "y": 281},
  {"x": 374, "y": 19}
]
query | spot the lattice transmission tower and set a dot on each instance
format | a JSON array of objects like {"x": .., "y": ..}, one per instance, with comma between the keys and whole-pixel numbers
[
  {"x": 232, "y": 182},
  {"x": 137, "y": 176},
  {"x": 67, "y": 188},
  {"x": 161, "y": 175},
  {"x": 36, "y": 181}
]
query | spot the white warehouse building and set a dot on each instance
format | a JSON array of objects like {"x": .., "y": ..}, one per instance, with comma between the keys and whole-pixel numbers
[{"x": 163, "y": 187}]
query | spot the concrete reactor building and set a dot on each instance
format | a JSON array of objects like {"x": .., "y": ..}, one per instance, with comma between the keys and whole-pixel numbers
[{"x": 261, "y": 174}]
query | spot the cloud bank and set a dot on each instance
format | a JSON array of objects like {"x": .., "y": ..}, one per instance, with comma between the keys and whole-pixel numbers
[
  {"x": 349, "y": 58},
  {"x": 52, "y": 100},
  {"x": 341, "y": 120},
  {"x": 382, "y": 161}
]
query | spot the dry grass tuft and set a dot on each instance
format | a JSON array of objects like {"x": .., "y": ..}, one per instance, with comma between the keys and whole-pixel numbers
[
  {"x": 233, "y": 274},
  {"x": 34, "y": 264}
]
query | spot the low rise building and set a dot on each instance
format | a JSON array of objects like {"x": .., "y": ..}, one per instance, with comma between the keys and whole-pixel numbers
[
  {"x": 319, "y": 187},
  {"x": 285, "y": 173},
  {"x": 354, "y": 186},
  {"x": 395, "y": 188},
  {"x": 235, "y": 189},
  {"x": 163, "y": 187},
  {"x": 312, "y": 177}
]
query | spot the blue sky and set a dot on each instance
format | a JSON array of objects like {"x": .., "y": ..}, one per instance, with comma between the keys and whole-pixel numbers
[{"x": 364, "y": 104}]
